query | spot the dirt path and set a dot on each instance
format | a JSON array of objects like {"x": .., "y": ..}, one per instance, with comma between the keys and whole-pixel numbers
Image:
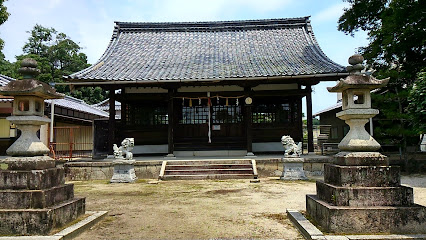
[{"x": 231, "y": 209}]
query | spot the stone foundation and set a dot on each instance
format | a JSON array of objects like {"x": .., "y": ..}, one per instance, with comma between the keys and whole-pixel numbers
[
  {"x": 367, "y": 220},
  {"x": 364, "y": 199},
  {"x": 273, "y": 167},
  {"x": 34, "y": 198}
]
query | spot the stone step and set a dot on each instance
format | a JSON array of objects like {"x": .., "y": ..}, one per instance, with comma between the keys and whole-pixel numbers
[
  {"x": 40, "y": 221},
  {"x": 20, "y": 199},
  {"x": 367, "y": 219},
  {"x": 210, "y": 166},
  {"x": 362, "y": 176},
  {"x": 207, "y": 176},
  {"x": 365, "y": 196},
  {"x": 208, "y": 171},
  {"x": 209, "y": 162},
  {"x": 31, "y": 179}
]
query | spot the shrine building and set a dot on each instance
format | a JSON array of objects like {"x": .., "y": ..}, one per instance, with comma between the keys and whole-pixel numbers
[{"x": 199, "y": 86}]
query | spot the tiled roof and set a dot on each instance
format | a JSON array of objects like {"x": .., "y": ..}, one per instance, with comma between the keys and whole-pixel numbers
[
  {"x": 4, "y": 80},
  {"x": 67, "y": 102},
  {"x": 210, "y": 51},
  {"x": 104, "y": 105},
  {"x": 79, "y": 105},
  {"x": 338, "y": 105},
  {"x": 335, "y": 106}
]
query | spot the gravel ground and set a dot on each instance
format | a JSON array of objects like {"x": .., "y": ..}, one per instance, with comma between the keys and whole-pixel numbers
[{"x": 202, "y": 209}]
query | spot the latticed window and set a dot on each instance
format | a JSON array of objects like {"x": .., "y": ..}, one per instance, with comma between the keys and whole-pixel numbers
[
  {"x": 270, "y": 113},
  {"x": 222, "y": 111},
  {"x": 226, "y": 114},
  {"x": 195, "y": 115},
  {"x": 145, "y": 115}
]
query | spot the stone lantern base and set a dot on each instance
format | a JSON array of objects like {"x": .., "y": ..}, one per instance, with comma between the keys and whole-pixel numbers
[
  {"x": 362, "y": 194},
  {"x": 34, "y": 198}
]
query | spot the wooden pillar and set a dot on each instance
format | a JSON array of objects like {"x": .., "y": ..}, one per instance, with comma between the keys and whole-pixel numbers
[
  {"x": 309, "y": 119},
  {"x": 111, "y": 121},
  {"x": 171, "y": 122},
  {"x": 248, "y": 122},
  {"x": 123, "y": 120}
]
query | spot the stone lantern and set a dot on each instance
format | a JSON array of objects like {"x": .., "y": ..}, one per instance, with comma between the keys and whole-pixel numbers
[
  {"x": 356, "y": 106},
  {"x": 28, "y": 110},
  {"x": 34, "y": 198},
  {"x": 361, "y": 193}
]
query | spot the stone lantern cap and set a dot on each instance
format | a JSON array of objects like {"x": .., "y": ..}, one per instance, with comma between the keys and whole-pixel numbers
[
  {"x": 358, "y": 82},
  {"x": 30, "y": 87},
  {"x": 356, "y": 79}
]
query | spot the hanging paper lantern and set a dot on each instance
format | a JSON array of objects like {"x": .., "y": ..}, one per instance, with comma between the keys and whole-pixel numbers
[
  {"x": 199, "y": 101},
  {"x": 190, "y": 102},
  {"x": 226, "y": 104}
]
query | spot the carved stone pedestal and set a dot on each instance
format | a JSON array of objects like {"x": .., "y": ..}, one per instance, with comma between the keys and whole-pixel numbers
[
  {"x": 34, "y": 198},
  {"x": 124, "y": 171},
  {"x": 362, "y": 194},
  {"x": 293, "y": 169}
]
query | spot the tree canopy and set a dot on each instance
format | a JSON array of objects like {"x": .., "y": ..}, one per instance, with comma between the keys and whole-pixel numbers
[
  {"x": 417, "y": 103},
  {"x": 4, "y": 15},
  {"x": 57, "y": 55},
  {"x": 397, "y": 34},
  {"x": 396, "y": 49},
  {"x": 5, "y": 66}
]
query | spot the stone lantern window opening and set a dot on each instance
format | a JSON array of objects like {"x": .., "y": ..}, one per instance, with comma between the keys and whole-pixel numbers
[
  {"x": 24, "y": 105},
  {"x": 38, "y": 106},
  {"x": 356, "y": 98}
]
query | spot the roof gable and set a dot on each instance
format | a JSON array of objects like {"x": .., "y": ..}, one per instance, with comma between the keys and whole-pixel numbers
[{"x": 210, "y": 51}]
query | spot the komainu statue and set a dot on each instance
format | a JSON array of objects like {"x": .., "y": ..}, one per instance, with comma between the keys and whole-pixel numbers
[
  {"x": 126, "y": 146},
  {"x": 291, "y": 149}
]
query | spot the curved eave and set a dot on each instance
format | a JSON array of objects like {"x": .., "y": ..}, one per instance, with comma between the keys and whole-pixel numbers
[{"x": 322, "y": 77}]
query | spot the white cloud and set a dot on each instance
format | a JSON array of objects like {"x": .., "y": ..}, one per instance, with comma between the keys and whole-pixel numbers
[
  {"x": 53, "y": 3},
  {"x": 330, "y": 14},
  {"x": 265, "y": 5}
]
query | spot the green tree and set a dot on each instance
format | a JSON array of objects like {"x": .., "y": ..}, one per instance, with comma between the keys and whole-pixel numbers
[
  {"x": 397, "y": 50},
  {"x": 6, "y": 67},
  {"x": 40, "y": 41},
  {"x": 90, "y": 95},
  {"x": 58, "y": 55},
  {"x": 4, "y": 15},
  {"x": 417, "y": 103},
  {"x": 396, "y": 30}
]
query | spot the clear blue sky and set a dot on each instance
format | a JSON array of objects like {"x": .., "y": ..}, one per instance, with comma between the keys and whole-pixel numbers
[{"x": 91, "y": 22}]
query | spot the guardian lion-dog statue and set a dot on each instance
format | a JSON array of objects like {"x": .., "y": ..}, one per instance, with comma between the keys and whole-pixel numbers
[
  {"x": 291, "y": 149},
  {"x": 126, "y": 146}
]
